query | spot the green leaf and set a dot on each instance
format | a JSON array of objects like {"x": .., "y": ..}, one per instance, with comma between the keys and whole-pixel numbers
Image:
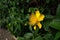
[
  {"x": 38, "y": 38},
  {"x": 48, "y": 36},
  {"x": 49, "y": 17},
  {"x": 57, "y": 36},
  {"x": 46, "y": 25},
  {"x": 47, "y": 1},
  {"x": 55, "y": 24},
  {"x": 30, "y": 28},
  {"x": 27, "y": 36},
  {"x": 32, "y": 9},
  {"x": 27, "y": 1},
  {"x": 20, "y": 38},
  {"x": 58, "y": 12},
  {"x": 35, "y": 32}
]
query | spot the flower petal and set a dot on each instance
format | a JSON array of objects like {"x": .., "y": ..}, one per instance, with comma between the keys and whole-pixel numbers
[
  {"x": 32, "y": 19},
  {"x": 37, "y": 13},
  {"x": 39, "y": 25},
  {"x": 35, "y": 27},
  {"x": 41, "y": 17}
]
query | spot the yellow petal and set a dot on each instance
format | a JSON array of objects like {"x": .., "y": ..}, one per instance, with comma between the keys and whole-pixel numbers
[
  {"x": 37, "y": 13},
  {"x": 39, "y": 25},
  {"x": 35, "y": 27},
  {"x": 41, "y": 17},
  {"x": 32, "y": 19}
]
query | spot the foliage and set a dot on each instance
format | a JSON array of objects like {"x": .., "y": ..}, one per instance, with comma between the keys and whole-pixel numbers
[{"x": 14, "y": 16}]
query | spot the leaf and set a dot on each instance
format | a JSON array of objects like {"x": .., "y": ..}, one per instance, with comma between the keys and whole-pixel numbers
[
  {"x": 55, "y": 24},
  {"x": 28, "y": 36},
  {"x": 35, "y": 32},
  {"x": 46, "y": 25},
  {"x": 57, "y": 36},
  {"x": 38, "y": 38},
  {"x": 58, "y": 12},
  {"x": 47, "y": 36},
  {"x": 32, "y": 9},
  {"x": 47, "y": 1},
  {"x": 27, "y": 1},
  {"x": 20, "y": 38},
  {"x": 30, "y": 28},
  {"x": 49, "y": 17}
]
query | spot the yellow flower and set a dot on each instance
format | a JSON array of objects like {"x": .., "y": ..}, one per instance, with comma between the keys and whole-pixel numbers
[
  {"x": 35, "y": 19},
  {"x": 32, "y": 19}
]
